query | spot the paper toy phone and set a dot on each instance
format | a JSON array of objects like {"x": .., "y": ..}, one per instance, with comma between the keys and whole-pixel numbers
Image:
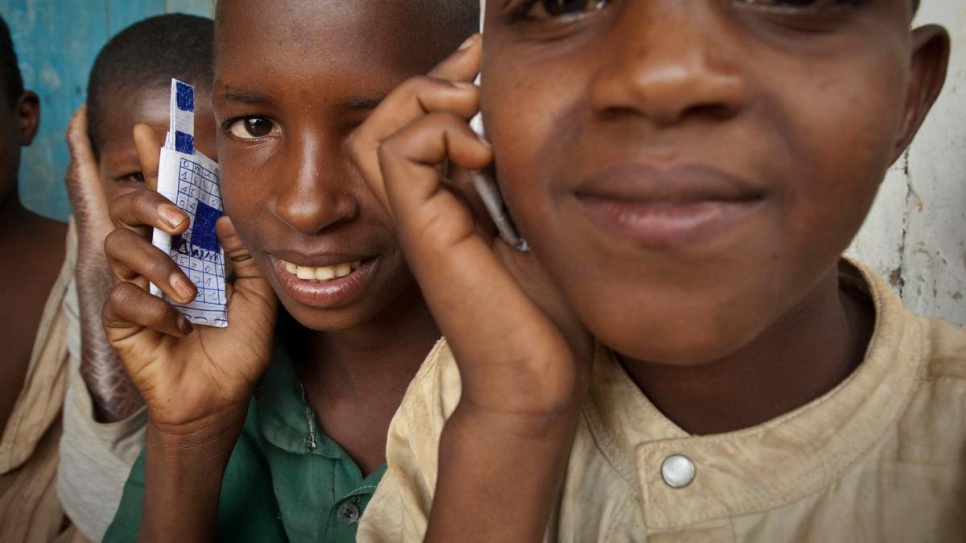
[
  {"x": 190, "y": 180},
  {"x": 487, "y": 187}
]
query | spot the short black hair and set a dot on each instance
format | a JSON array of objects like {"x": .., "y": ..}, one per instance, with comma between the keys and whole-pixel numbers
[
  {"x": 148, "y": 54},
  {"x": 9, "y": 68}
]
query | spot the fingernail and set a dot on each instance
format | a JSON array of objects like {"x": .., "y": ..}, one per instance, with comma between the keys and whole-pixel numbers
[
  {"x": 469, "y": 42},
  {"x": 184, "y": 326},
  {"x": 464, "y": 84},
  {"x": 172, "y": 216},
  {"x": 182, "y": 287}
]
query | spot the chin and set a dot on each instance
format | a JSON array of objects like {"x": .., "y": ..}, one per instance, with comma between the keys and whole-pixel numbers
[{"x": 681, "y": 340}]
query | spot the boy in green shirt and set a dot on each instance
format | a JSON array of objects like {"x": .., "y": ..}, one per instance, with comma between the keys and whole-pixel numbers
[{"x": 293, "y": 80}]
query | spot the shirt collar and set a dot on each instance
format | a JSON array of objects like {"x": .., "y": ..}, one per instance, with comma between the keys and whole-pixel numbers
[
  {"x": 285, "y": 419},
  {"x": 768, "y": 465}
]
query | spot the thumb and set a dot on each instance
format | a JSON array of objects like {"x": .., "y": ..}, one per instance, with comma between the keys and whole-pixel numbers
[{"x": 250, "y": 284}]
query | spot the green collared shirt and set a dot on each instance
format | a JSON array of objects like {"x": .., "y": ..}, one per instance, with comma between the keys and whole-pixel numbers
[{"x": 285, "y": 481}]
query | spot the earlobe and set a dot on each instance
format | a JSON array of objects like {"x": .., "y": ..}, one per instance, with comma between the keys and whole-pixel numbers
[{"x": 28, "y": 116}]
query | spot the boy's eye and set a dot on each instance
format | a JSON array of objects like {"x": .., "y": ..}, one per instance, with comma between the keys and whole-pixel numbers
[
  {"x": 251, "y": 128},
  {"x": 810, "y": 5},
  {"x": 544, "y": 9},
  {"x": 135, "y": 177}
]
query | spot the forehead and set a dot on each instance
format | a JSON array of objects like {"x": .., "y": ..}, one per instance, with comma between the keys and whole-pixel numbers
[
  {"x": 288, "y": 35},
  {"x": 147, "y": 105},
  {"x": 123, "y": 108}
]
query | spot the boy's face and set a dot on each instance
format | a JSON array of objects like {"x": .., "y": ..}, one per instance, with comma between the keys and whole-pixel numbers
[
  {"x": 690, "y": 170},
  {"x": 290, "y": 89},
  {"x": 118, "y": 164}
]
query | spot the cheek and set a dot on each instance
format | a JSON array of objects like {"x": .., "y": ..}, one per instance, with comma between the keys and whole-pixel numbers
[{"x": 839, "y": 146}]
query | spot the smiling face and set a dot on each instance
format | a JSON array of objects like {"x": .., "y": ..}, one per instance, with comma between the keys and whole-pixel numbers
[
  {"x": 117, "y": 157},
  {"x": 290, "y": 89},
  {"x": 711, "y": 159}
]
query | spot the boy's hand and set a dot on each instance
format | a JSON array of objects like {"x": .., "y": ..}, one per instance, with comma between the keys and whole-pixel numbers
[
  {"x": 115, "y": 397},
  {"x": 196, "y": 381},
  {"x": 524, "y": 359}
]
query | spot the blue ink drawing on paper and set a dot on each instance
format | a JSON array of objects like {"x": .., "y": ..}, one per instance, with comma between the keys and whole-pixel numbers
[{"x": 190, "y": 180}]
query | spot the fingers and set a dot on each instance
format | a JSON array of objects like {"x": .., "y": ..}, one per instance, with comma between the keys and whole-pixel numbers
[
  {"x": 446, "y": 89},
  {"x": 240, "y": 259},
  {"x": 130, "y": 309},
  {"x": 142, "y": 210},
  {"x": 464, "y": 63},
  {"x": 135, "y": 260},
  {"x": 149, "y": 154},
  {"x": 252, "y": 302},
  {"x": 408, "y": 161}
]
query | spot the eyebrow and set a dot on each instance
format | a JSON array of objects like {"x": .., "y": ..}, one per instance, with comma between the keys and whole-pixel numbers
[
  {"x": 363, "y": 102},
  {"x": 240, "y": 96}
]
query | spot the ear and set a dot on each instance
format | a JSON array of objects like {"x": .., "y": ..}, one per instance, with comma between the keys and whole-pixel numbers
[
  {"x": 28, "y": 116},
  {"x": 930, "y": 58}
]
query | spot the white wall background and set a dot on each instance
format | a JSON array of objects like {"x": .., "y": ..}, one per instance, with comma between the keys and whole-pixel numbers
[{"x": 916, "y": 233}]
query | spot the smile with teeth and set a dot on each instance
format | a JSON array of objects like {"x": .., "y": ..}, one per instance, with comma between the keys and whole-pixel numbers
[{"x": 324, "y": 273}]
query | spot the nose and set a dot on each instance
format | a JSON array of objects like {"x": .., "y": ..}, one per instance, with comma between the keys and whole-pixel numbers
[
  {"x": 316, "y": 191},
  {"x": 669, "y": 60}
]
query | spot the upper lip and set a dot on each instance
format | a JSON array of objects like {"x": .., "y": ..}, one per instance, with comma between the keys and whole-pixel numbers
[{"x": 682, "y": 184}]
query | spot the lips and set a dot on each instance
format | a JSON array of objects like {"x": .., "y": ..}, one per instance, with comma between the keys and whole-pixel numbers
[
  {"x": 333, "y": 283},
  {"x": 662, "y": 208}
]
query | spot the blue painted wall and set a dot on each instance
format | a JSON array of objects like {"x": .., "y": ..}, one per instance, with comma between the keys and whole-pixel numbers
[{"x": 57, "y": 41}]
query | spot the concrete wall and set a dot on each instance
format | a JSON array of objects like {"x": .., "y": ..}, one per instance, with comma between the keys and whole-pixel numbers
[{"x": 916, "y": 234}]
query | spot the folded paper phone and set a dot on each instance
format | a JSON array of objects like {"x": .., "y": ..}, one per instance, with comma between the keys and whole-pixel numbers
[{"x": 190, "y": 180}]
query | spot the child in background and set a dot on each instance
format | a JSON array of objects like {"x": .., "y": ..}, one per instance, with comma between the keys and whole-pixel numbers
[
  {"x": 33, "y": 351},
  {"x": 687, "y": 174},
  {"x": 129, "y": 84},
  {"x": 255, "y": 433}
]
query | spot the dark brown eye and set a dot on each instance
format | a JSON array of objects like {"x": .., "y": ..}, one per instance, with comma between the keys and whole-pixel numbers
[
  {"x": 134, "y": 177},
  {"x": 251, "y": 128},
  {"x": 544, "y": 9}
]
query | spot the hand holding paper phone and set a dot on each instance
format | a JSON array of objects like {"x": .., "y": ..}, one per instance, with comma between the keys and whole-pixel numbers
[{"x": 524, "y": 359}]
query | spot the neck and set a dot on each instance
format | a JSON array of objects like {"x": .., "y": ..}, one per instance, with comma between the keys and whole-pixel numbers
[
  {"x": 14, "y": 217},
  {"x": 355, "y": 379},
  {"x": 377, "y": 359},
  {"x": 800, "y": 358}
]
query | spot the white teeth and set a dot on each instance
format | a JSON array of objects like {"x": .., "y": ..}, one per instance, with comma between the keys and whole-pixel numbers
[{"x": 324, "y": 273}]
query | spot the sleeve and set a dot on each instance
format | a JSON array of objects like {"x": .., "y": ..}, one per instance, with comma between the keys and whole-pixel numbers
[
  {"x": 95, "y": 458},
  {"x": 399, "y": 510}
]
